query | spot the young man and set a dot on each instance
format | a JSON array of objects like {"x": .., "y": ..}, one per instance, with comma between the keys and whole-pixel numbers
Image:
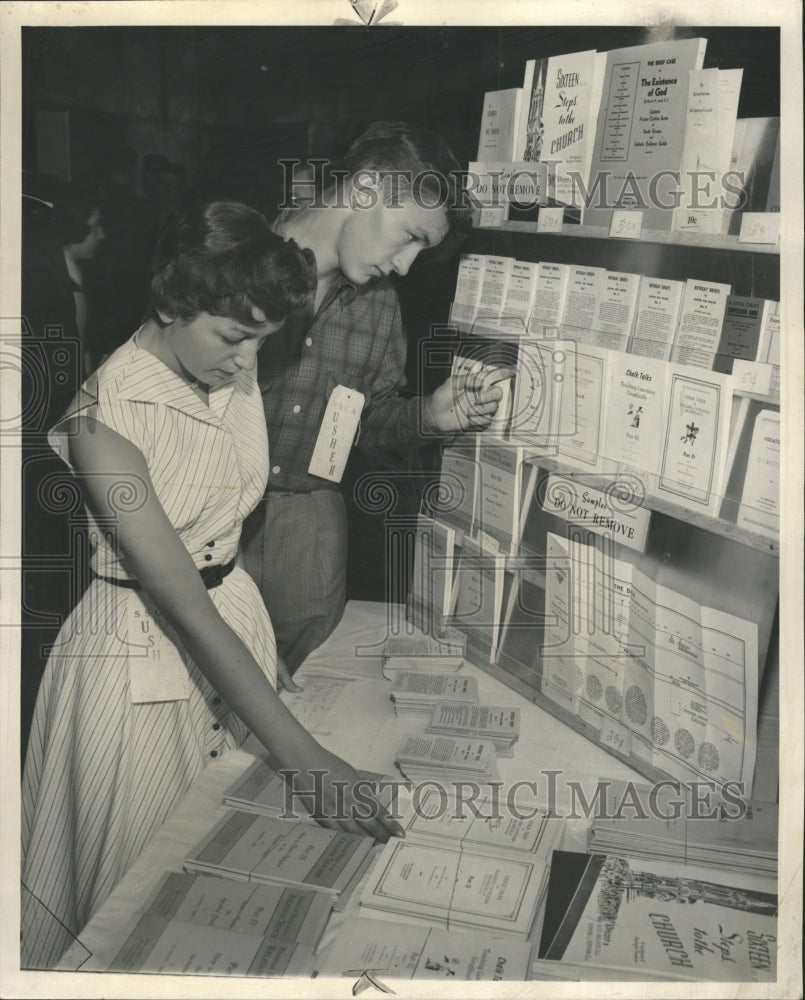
[{"x": 394, "y": 195}]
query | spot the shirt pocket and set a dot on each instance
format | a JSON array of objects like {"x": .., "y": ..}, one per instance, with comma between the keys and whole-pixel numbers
[{"x": 350, "y": 380}]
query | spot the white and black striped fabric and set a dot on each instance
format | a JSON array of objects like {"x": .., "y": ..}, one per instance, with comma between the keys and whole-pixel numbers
[{"x": 102, "y": 773}]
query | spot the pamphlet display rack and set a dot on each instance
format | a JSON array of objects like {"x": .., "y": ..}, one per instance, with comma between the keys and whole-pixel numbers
[{"x": 711, "y": 560}]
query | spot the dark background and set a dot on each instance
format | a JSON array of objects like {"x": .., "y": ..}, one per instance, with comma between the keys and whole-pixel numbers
[{"x": 228, "y": 103}]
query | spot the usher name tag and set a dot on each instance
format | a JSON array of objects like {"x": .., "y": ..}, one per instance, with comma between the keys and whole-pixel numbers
[
  {"x": 337, "y": 433},
  {"x": 157, "y": 671}
]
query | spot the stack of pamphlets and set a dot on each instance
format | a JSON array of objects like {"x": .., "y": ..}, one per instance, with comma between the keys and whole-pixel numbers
[
  {"x": 464, "y": 864},
  {"x": 387, "y": 949},
  {"x": 499, "y": 725},
  {"x": 283, "y": 852},
  {"x": 446, "y": 758},
  {"x": 448, "y": 817},
  {"x": 423, "y": 653},
  {"x": 652, "y": 917},
  {"x": 260, "y": 789},
  {"x": 196, "y": 924},
  {"x": 669, "y": 825},
  {"x": 418, "y": 694}
]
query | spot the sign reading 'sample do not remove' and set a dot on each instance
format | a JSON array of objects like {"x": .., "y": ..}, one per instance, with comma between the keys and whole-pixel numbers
[{"x": 615, "y": 513}]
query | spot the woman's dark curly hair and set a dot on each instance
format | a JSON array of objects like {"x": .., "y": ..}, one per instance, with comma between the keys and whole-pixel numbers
[{"x": 222, "y": 258}]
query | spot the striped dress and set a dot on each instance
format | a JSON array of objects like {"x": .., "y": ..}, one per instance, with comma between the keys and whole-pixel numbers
[{"x": 102, "y": 772}]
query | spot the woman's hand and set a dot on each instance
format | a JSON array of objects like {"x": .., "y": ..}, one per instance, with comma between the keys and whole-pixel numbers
[
  {"x": 327, "y": 785},
  {"x": 284, "y": 680}
]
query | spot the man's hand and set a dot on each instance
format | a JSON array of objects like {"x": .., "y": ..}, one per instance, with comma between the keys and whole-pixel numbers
[{"x": 465, "y": 402}]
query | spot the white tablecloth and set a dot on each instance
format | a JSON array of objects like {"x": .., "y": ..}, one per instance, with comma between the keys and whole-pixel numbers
[{"x": 361, "y": 727}]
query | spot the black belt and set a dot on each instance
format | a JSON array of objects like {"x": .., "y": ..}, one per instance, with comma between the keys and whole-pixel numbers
[{"x": 211, "y": 576}]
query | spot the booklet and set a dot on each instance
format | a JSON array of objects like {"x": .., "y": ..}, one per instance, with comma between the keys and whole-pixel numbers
[
  {"x": 615, "y": 310},
  {"x": 505, "y": 488},
  {"x": 498, "y": 724},
  {"x": 422, "y": 757},
  {"x": 174, "y": 947},
  {"x": 583, "y": 294},
  {"x": 695, "y": 439},
  {"x": 494, "y": 283},
  {"x": 519, "y": 298},
  {"x": 468, "y": 288},
  {"x": 663, "y": 679},
  {"x": 699, "y": 206},
  {"x": 696, "y": 924},
  {"x": 260, "y": 789},
  {"x": 431, "y": 595},
  {"x": 458, "y": 487},
  {"x": 639, "y": 137},
  {"x": 499, "y": 124},
  {"x": 549, "y": 299},
  {"x": 657, "y": 317},
  {"x": 636, "y": 416},
  {"x": 700, "y": 321},
  {"x": 583, "y": 407},
  {"x": 456, "y": 888},
  {"x": 537, "y": 395},
  {"x": 414, "y": 692},
  {"x": 759, "y": 509},
  {"x": 219, "y": 926},
  {"x": 667, "y": 822},
  {"x": 443, "y": 817},
  {"x": 388, "y": 949},
  {"x": 280, "y": 851},
  {"x": 481, "y": 597},
  {"x": 744, "y": 320},
  {"x": 424, "y": 653}
]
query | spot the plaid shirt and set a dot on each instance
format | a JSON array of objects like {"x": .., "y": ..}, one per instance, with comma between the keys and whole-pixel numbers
[{"x": 356, "y": 339}]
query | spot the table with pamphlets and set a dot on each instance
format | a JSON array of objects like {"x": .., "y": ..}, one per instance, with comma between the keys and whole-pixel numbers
[{"x": 346, "y": 704}]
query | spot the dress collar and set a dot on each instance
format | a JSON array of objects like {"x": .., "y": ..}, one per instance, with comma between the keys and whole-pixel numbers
[{"x": 135, "y": 374}]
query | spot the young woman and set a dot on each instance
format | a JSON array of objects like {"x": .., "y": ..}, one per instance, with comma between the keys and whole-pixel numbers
[{"x": 169, "y": 657}]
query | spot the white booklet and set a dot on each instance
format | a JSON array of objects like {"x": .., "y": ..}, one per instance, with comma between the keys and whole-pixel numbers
[
  {"x": 456, "y": 888},
  {"x": 519, "y": 299},
  {"x": 657, "y": 317},
  {"x": 494, "y": 283},
  {"x": 468, "y": 288},
  {"x": 615, "y": 310},
  {"x": 760, "y": 501},
  {"x": 682, "y": 923},
  {"x": 583, "y": 407},
  {"x": 480, "y": 598},
  {"x": 498, "y": 124},
  {"x": 387, "y": 949},
  {"x": 636, "y": 415},
  {"x": 700, "y": 320},
  {"x": 505, "y": 489},
  {"x": 458, "y": 486},
  {"x": 431, "y": 595},
  {"x": 261, "y": 789},
  {"x": 694, "y": 447},
  {"x": 157, "y": 945},
  {"x": 281, "y": 851},
  {"x": 549, "y": 299},
  {"x": 219, "y": 926},
  {"x": 443, "y": 817},
  {"x": 582, "y": 297}
]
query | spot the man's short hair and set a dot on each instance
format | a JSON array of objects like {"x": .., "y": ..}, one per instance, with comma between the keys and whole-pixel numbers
[{"x": 418, "y": 163}]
